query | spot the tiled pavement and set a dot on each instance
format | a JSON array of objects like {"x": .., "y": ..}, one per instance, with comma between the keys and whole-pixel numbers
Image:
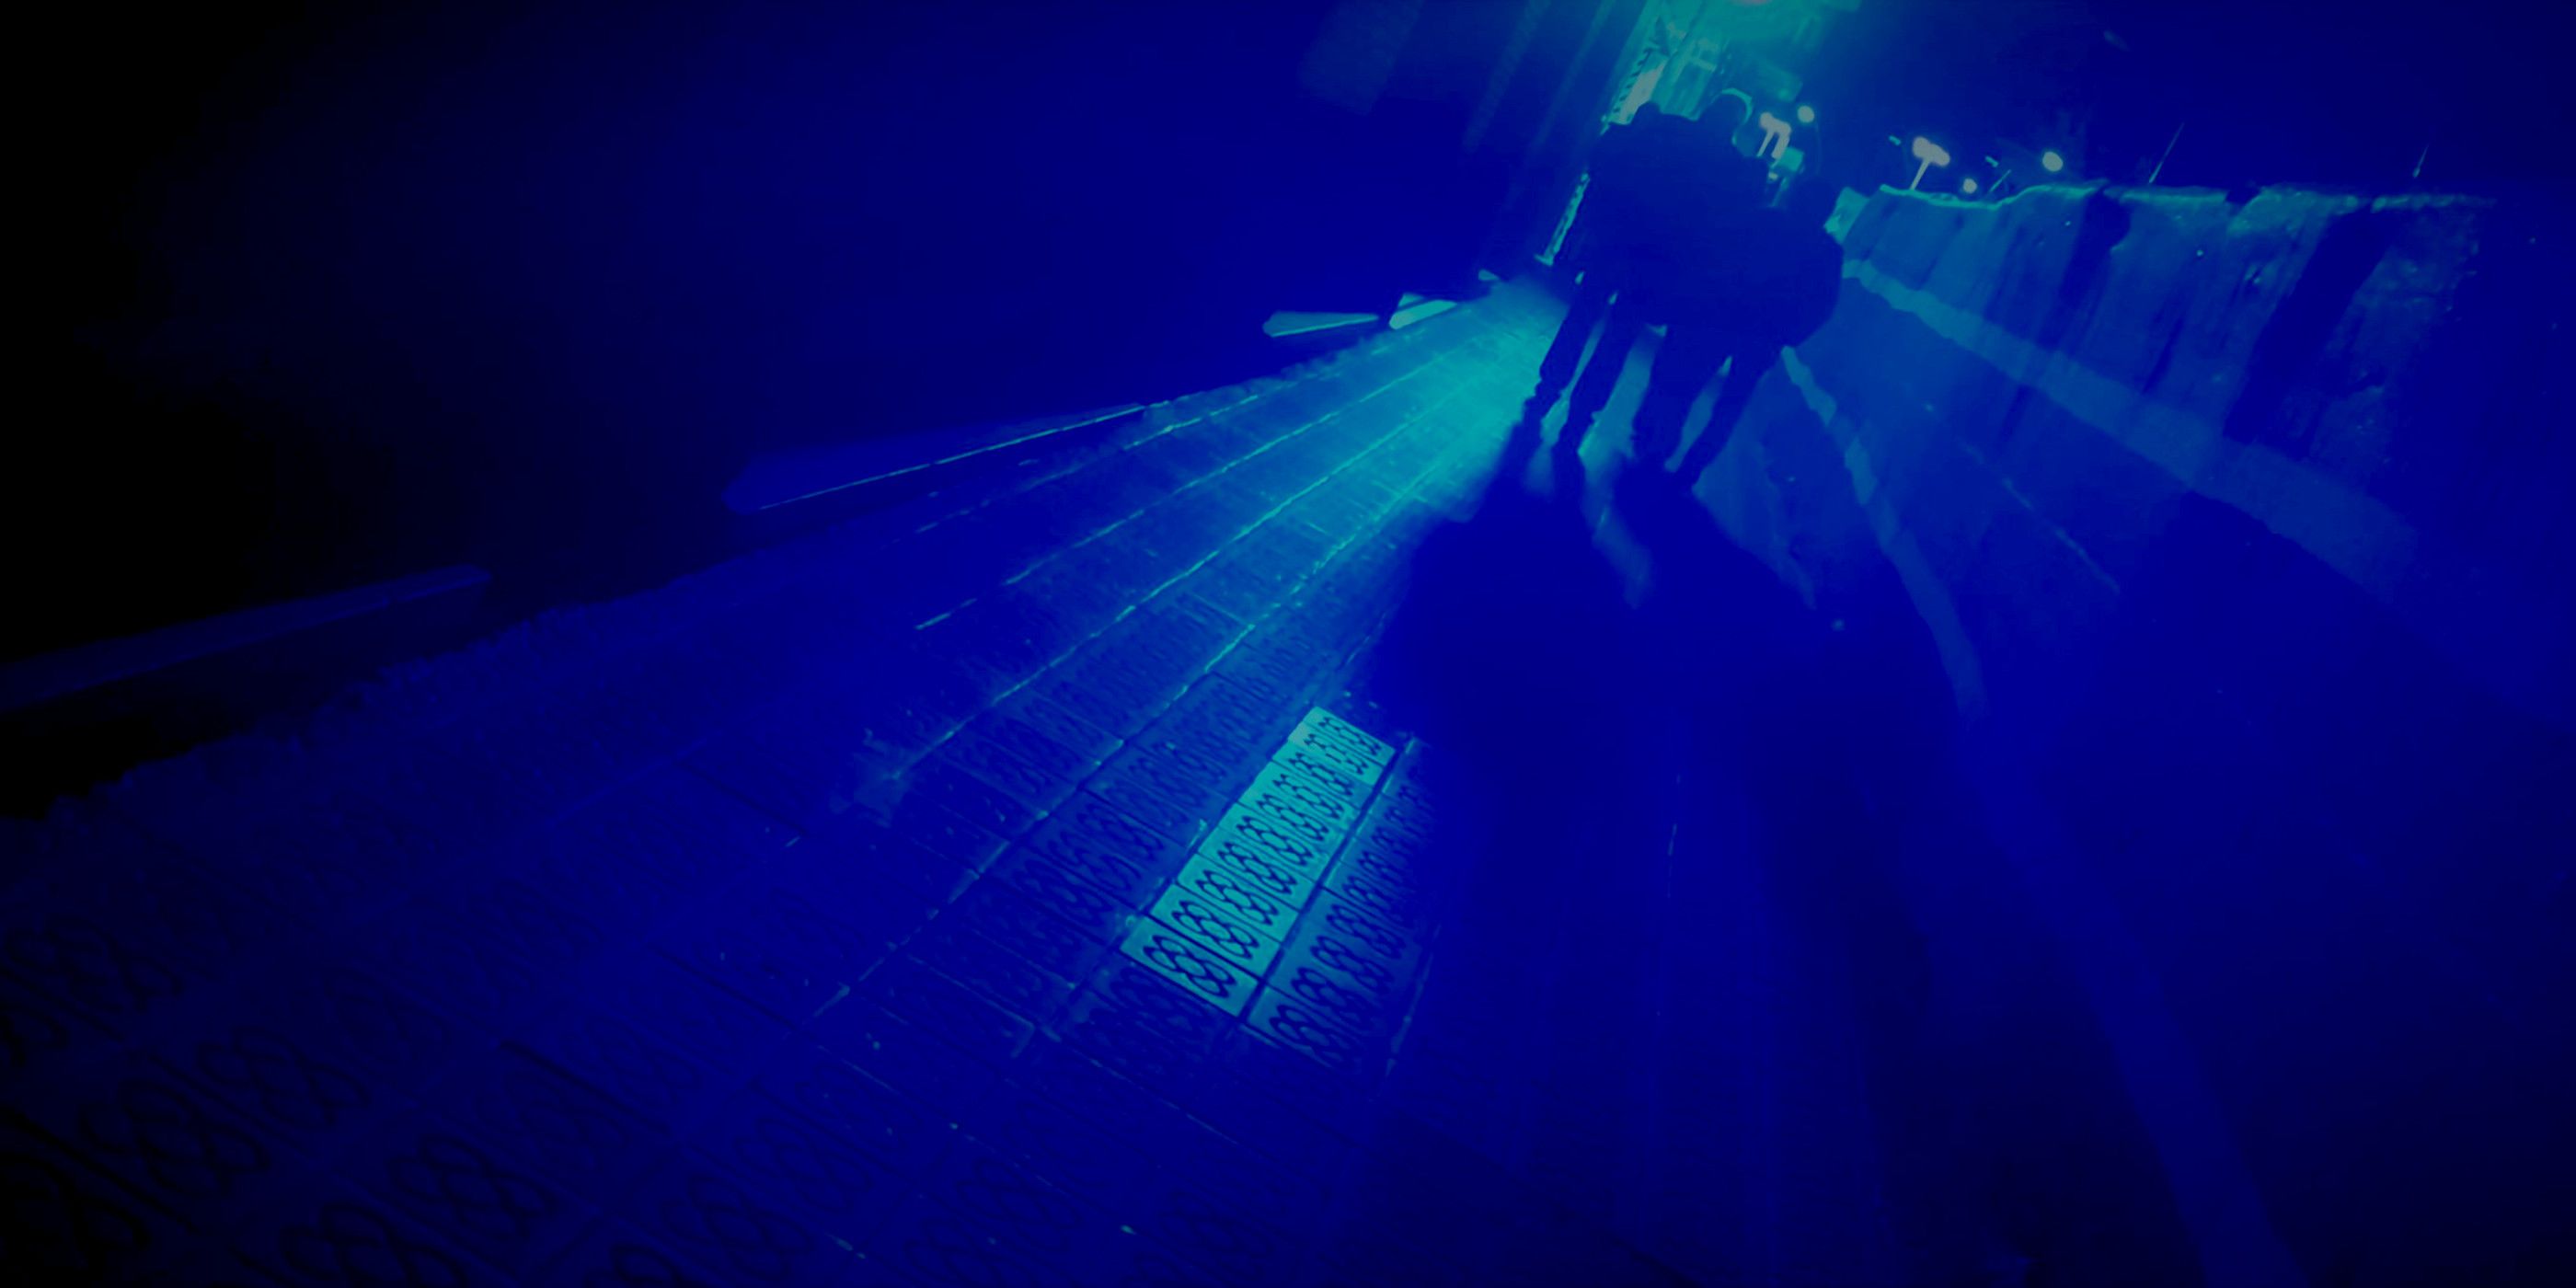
[{"x": 980, "y": 893}]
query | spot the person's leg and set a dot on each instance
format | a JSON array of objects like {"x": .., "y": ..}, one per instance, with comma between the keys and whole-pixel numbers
[
  {"x": 1683, "y": 367},
  {"x": 1565, "y": 354},
  {"x": 1750, "y": 363},
  {"x": 1600, "y": 376}
]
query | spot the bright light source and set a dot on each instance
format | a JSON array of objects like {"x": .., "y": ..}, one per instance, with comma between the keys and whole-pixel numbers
[
  {"x": 1929, "y": 152},
  {"x": 1968, "y": 186},
  {"x": 1806, "y": 115},
  {"x": 1775, "y": 135},
  {"x": 2051, "y": 162}
]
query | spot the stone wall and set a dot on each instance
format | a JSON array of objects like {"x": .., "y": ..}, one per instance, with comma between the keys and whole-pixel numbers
[{"x": 2241, "y": 525}]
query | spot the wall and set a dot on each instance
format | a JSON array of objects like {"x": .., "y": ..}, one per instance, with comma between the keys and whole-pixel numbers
[
  {"x": 2241, "y": 524},
  {"x": 344, "y": 292}
]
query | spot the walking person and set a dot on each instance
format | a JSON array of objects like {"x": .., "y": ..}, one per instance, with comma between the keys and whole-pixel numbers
[
  {"x": 1729, "y": 294},
  {"x": 1779, "y": 286},
  {"x": 1659, "y": 170}
]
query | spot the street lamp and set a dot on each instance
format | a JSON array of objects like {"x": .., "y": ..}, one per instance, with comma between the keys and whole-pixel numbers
[
  {"x": 2052, "y": 161},
  {"x": 1930, "y": 154}
]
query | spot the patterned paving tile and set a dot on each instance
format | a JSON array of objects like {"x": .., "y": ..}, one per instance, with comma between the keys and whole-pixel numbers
[
  {"x": 814, "y": 1173},
  {"x": 632, "y": 1062},
  {"x": 791, "y": 952},
  {"x": 1058, "y": 1146},
  {"x": 1216, "y": 1235},
  {"x": 63, "y": 1222},
  {"x": 953, "y": 1011},
  {"x": 127, "y": 948},
  {"x": 613, "y": 1254},
  {"x": 165, "y": 1139},
  {"x": 1300, "y": 1026},
  {"x": 903, "y": 1134},
  {"x": 1103, "y": 845},
  {"x": 1245, "y": 898},
  {"x": 1248, "y": 833},
  {"x": 993, "y": 972},
  {"x": 930, "y": 1244},
  {"x": 1189, "y": 964},
  {"x": 327, "y": 1232},
  {"x": 569, "y": 1133},
  {"x": 1033, "y": 789},
  {"x": 887, "y": 855},
  {"x": 474, "y": 1194},
  {"x": 907, "y": 1056},
  {"x": 1213, "y": 927},
  {"x": 732, "y": 1234},
  {"x": 1024, "y": 920},
  {"x": 944, "y": 781},
  {"x": 42, "y": 1037}
]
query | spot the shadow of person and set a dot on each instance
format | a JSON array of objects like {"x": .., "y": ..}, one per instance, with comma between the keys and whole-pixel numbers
[
  {"x": 1565, "y": 461},
  {"x": 1519, "y": 449},
  {"x": 1508, "y": 655},
  {"x": 1830, "y": 737}
]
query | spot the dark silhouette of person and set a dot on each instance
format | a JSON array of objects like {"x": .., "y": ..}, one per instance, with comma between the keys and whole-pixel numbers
[
  {"x": 1729, "y": 291},
  {"x": 1657, "y": 170},
  {"x": 1775, "y": 286}
]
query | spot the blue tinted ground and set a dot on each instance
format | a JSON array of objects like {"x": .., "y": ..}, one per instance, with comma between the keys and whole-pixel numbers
[{"x": 1304, "y": 838}]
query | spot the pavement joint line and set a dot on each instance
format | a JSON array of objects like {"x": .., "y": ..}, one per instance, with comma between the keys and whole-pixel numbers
[
  {"x": 969, "y": 454},
  {"x": 1222, "y": 469},
  {"x": 1026, "y": 486},
  {"x": 1336, "y": 412},
  {"x": 1351, "y": 463}
]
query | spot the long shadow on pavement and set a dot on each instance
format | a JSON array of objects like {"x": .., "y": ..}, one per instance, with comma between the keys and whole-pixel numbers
[{"x": 2005, "y": 1149}]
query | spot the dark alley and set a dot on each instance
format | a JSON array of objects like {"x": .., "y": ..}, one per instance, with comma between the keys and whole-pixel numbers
[{"x": 1309, "y": 644}]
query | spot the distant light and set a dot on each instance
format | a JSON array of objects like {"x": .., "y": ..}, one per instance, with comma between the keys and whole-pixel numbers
[
  {"x": 1806, "y": 115},
  {"x": 2051, "y": 162},
  {"x": 1968, "y": 186}
]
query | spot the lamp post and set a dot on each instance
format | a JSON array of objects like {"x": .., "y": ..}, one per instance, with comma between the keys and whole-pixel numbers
[
  {"x": 1930, "y": 154},
  {"x": 2159, "y": 171}
]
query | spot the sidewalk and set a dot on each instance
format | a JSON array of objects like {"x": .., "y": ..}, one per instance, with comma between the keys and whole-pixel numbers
[{"x": 1007, "y": 888}]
